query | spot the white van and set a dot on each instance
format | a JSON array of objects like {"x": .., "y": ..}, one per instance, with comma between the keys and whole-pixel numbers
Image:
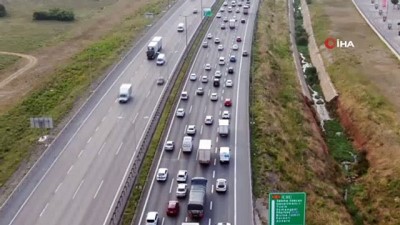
[
  {"x": 187, "y": 144},
  {"x": 224, "y": 154},
  {"x": 125, "y": 93},
  {"x": 181, "y": 27},
  {"x": 160, "y": 59}
]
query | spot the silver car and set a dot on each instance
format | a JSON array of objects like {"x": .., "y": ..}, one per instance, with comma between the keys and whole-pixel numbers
[
  {"x": 191, "y": 130},
  {"x": 169, "y": 146},
  {"x": 208, "y": 120},
  {"x": 214, "y": 96},
  {"x": 180, "y": 112},
  {"x": 193, "y": 77},
  {"x": 181, "y": 190}
]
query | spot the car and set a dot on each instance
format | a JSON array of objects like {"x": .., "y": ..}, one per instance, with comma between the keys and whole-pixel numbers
[
  {"x": 180, "y": 112},
  {"x": 245, "y": 53},
  {"x": 226, "y": 19},
  {"x": 169, "y": 146},
  {"x": 232, "y": 58},
  {"x": 218, "y": 15},
  {"x": 230, "y": 70},
  {"x": 195, "y": 11},
  {"x": 220, "y": 47},
  {"x": 237, "y": 10},
  {"x": 182, "y": 176},
  {"x": 209, "y": 36},
  {"x": 160, "y": 81},
  {"x": 225, "y": 4},
  {"x": 184, "y": 95},
  {"x": 228, "y": 102},
  {"x": 204, "y": 79},
  {"x": 221, "y": 185},
  {"x": 222, "y": 26},
  {"x": 221, "y": 62},
  {"x": 207, "y": 66},
  {"x": 233, "y": 3},
  {"x": 208, "y": 120},
  {"x": 229, "y": 9},
  {"x": 222, "y": 9},
  {"x": 235, "y": 47},
  {"x": 200, "y": 91},
  {"x": 239, "y": 4},
  {"x": 216, "y": 82},
  {"x": 193, "y": 77},
  {"x": 204, "y": 44},
  {"x": 152, "y": 218},
  {"x": 218, "y": 73},
  {"x": 243, "y": 21},
  {"x": 238, "y": 39},
  {"x": 162, "y": 174},
  {"x": 191, "y": 130},
  {"x": 226, "y": 115},
  {"x": 214, "y": 96},
  {"x": 181, "y": 190},
  {"x": 217, "y": 41},
  {"x": 229, "y": 83},
  {"x": 173, "y": 208}
]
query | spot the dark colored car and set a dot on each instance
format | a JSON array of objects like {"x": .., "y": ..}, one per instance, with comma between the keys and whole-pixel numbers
[
  {"x": 243, "y": 21},
  {"x": 228, "y": 102},
  {"x": 238, "y": 39},
  {"x": 173, "y": 208},
  {"x": 245, "y": 54},
  {"x": 230, "y": 70},
  {"x": 216, "y": 82}
]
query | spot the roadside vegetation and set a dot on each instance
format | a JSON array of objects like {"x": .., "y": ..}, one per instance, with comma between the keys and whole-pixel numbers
[
  {"x": 288, "y": 152},
  {"x": 367, "y": 109},
  {"x": 54, "y": 14},
  {"x": 57, "y": 96},
  {"x": 3, "y": 11}
]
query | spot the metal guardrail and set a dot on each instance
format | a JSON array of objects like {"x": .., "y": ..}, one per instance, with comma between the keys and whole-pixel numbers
[{"x": 134, "y": 171}]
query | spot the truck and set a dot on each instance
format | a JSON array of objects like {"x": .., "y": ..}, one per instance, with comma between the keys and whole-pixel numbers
[
  {"x": 224, "y": 154},
  {"x": 197, "y": 198},
  {"x": 125, "y": 93},
  {"x": 223, "y": 127},
  {"x": 246, "y": 9},
  {"x": 232, "y": 23},
  {"x": 154, "y": 47},
  {"x": 204, "y": 151}
]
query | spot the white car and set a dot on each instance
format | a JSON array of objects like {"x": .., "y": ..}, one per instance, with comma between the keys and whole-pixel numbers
[
  {"x": 214, "y": 97},
  {"x": 226, "y": 115},
  {"x": 169, "y": 146},
  {"x": 204, "y": 79},
  {"x": 220, "y": 47},
  {"x": 223, "y": 26},
  {"x": 191, "y": 130},
  {"x": 218, "y": 15},
  {"x": 152, "y": 218},
  {"x": 226, "y": 19},
  {"x": 207, "y": 66},
  {"x": 225, "y": 4},
  {"x": 193, "y": 77},
  {"x": 195, "y": 11},
  {"x": 218, "y": 73},
  {"x": 180, "y": 112},
  {"x": 235, "y": 47},
  {"x": 222, "y": 9},
  {"x": 181, "y": 190},
  {"x": 229, "y": 9},
  {"x": 221, "y": 185},
  {"x": 182, "y": 176},
  {"x": 184, "y": 95},
  {"x": 229, "y": 83},
  {"x": 162, "y": 174},
  {"x": 209, "y": 36},
  {"x": 217, "y": 41},
  {"x": 237, "y": 10},
  {"x": 208, "y": 120},
  {"x": 221, "y": 62},
  {"x": 223, "y": 223},
  {"x": 200, "y": 91}
]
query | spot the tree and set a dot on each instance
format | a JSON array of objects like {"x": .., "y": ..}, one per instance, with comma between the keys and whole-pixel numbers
[{"x": 3, "y": 11}]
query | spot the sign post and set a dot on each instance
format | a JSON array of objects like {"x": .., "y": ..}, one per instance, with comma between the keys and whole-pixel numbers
[{"x": 287, "y": 208}]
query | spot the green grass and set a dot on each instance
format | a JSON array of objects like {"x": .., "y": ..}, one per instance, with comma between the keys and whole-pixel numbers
[
  {"x": 56, "y": 98},
  {"x": 338, "y": 143},
  {"x": 6, "y": 60}
]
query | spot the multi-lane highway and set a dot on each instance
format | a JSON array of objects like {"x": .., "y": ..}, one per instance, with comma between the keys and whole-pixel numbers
[
  {"x": 78, "y": 179},
  {"x": 234, "y": 206}
]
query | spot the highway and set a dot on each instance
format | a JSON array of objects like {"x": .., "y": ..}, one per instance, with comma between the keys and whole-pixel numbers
[
  {"x": 393, "y": 16},
  {"x": 235, "y": 206},
  {"x": 78, "y": 179}
]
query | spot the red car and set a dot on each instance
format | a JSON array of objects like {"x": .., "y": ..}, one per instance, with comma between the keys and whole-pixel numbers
[
  {"x": 238, "y": 39},
  {"x": 228, "y": 102},
  {"x": 173, "y": 208}
]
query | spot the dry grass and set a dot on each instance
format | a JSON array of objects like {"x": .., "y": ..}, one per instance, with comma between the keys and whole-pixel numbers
[
  {"x": 367, "y": 79},
  {"x": 288, "y": 151}
]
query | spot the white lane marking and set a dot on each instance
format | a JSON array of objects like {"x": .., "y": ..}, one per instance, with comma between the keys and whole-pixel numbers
[
  {"x": 97, "y": 128},
  {"x": 89, "y": 140},
  {"x": 213, "y": 174},
  {"x": 190, "y": 109},
  {"x": 44, "y": 209},
  {"x": 216, "y": 139},
  {"x": 205, "y": 109},
  {"x": 148, "y": 93},
  {"x": 219, "y": 113},
  {"x": 69, "y": 170},
  {"x": 212, "y": 188},
  {"x": 179, "y": 154},
  {"x": 119, "y": 148},
  {"x": 101, "y": 148},
  {"x": 215, "y": 162},
  {"x": 134, "y": 119},
  {"x": 186, "y": 219},
  {"x": 98, "y": 189},
  {"x": 115, "y": 101},
  {"x": 76, "y": 192},
  {"x": 170, "y": 187},
  {"x": 223, "y": 91},
  {"x": 103, "y": 118},
  {"x": 58, "y": 187},
  {"x": 209, "y": 221},
  {"x": 201, "y": 129},
  {"x": 80, "y": 153},
  {"x": 162, "y": 222},
  {"x": 209, "y": 92},
  {"x": 216, "y": 150},
  {"x": 211, "y": 205},
  {"x": 184, "y": 132}
]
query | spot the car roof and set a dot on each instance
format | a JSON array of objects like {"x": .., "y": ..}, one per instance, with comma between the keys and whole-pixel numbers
[
  {"x": 172, "y": 204},
  {"x": 152, "y": 215},
  {"x": 182, "y": 171},
  {"x": 162, "y": 170},
  {"x": 182, "y": 185}
]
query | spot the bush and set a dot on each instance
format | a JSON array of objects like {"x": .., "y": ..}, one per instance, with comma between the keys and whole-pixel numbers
[
  {"x": 312, "y": 76},
  {"x": 3, "y": 11},
  {"x": 54, "y": 14},
  {"x": 309, "y": 2}
]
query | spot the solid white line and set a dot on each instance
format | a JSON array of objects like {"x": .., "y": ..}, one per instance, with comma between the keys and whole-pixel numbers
[
  {"x": 76, "y": 192},
  {"x": 101, "y": 148},
  {"x": 80, "y": 153},
  {"x": 89, "y": 140},
  {"x": 98, "y": 189},
  {"x": 44, "y": 209},
  {"x": 119, "y": 148},
  {"x": 170, "y": 187},
  {"x": 69, "y": 170},
  {"x": 210, "y": 205},
  {"x": 58, "y": 187}
]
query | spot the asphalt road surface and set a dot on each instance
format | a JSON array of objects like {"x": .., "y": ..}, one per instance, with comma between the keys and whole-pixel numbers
[
  {"x": 235, "y": 206},
  {"x": 78, "y": 180},
  {"x": 393, "y": 17}
]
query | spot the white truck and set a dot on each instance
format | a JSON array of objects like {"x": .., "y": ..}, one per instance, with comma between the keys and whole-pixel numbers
[
  {"x": 204, "y": 152},
  {"x": 223, "y": 127},
  {"x": 246, "y": 9},
  {"x": 232, "y": 24},
  {"x": 154, "y": 47},
  {"x": 224, "y": 154},
  {"x": 125, "y": 93}
]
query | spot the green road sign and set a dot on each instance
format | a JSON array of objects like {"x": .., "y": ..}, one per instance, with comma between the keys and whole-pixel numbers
[
  {"x": 287, "y": 208},
  {"x": 207, "y": 12}
]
